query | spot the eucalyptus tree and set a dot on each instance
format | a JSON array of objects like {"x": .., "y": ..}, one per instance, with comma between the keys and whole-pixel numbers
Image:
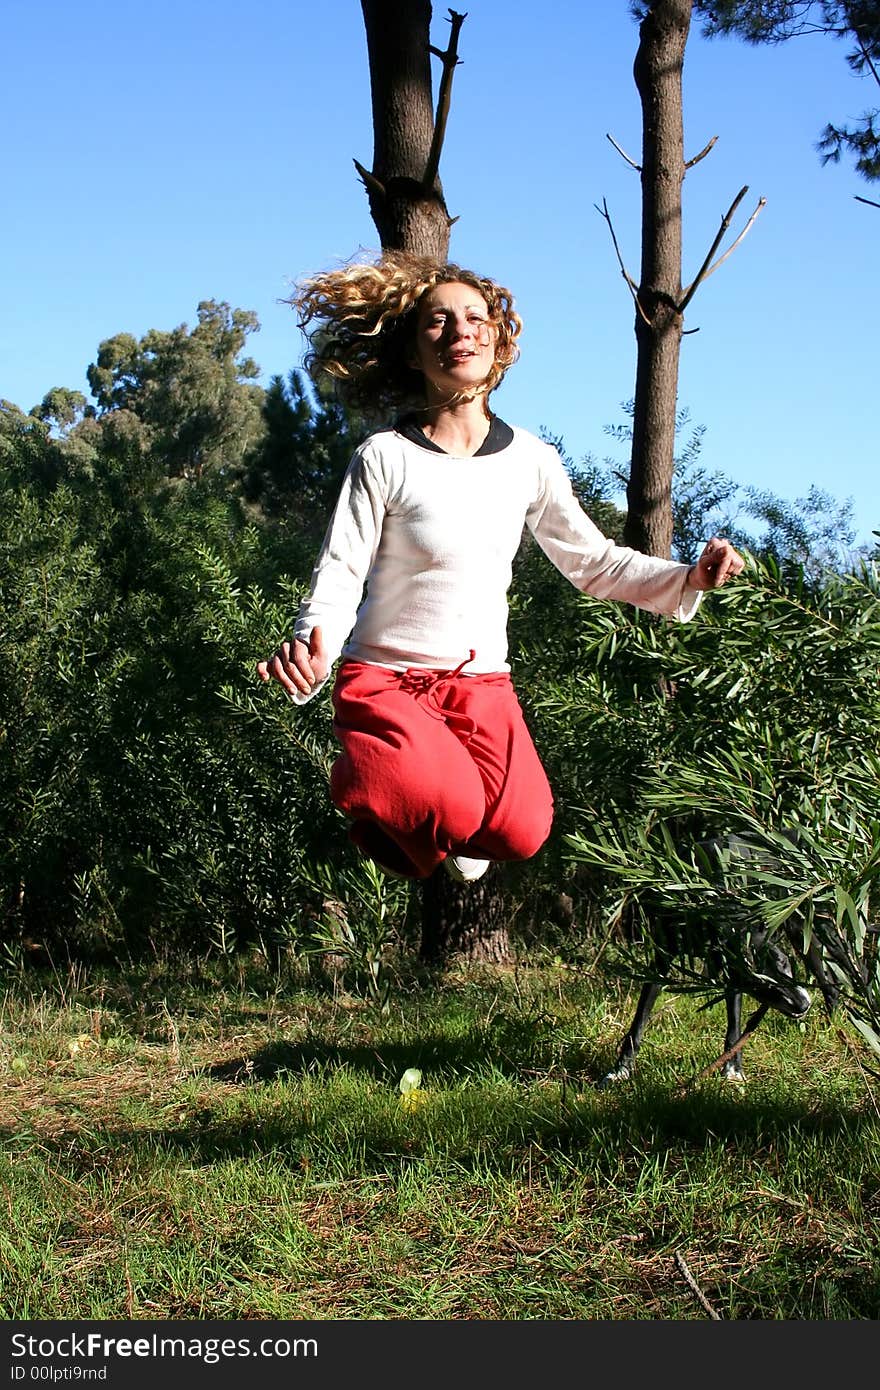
[{"x": 193, "y": 391}]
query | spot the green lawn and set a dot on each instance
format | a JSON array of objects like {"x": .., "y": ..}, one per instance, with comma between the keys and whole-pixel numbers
[{"x": 213, "y": 1142}]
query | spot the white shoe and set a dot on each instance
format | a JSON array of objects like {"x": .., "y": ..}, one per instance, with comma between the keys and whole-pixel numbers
[{"x": 465, "y": 870}]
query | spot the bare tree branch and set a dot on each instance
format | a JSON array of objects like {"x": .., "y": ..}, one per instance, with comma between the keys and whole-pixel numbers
[
  {"x": 371, "y": 183},
  {"x": 706, "y": 269},
  {"x": 623, "y": 154},
  {"x": 689, "y": 164},
  {"x": 762, "y": 203},
  {"x": 450, "y": 60},
  {"x": 633, "y": 287}
]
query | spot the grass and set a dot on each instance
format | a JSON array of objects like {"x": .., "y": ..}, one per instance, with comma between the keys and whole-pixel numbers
[{"x": 217, "y": 1142}]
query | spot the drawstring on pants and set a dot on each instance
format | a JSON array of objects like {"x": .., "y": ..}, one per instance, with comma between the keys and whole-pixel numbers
[{"x": 426, "y": 686}]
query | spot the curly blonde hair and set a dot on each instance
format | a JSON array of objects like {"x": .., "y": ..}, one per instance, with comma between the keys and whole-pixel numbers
[{"x": 360, "y": 321}]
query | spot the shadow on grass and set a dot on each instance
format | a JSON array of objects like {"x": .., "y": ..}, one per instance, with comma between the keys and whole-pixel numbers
[
  {"x": 516, "y": 1048},
  {"x": 479, "y": 1129},
  {"x": 500, "y": 1088},
  {"x": 511, "y": 1047}
]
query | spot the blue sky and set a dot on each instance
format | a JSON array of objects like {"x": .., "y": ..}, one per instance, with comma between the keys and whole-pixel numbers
[{"x": 157, "y": 156}]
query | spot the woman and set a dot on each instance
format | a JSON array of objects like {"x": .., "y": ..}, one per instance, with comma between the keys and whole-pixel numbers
[{"x": 437, "y": 765}]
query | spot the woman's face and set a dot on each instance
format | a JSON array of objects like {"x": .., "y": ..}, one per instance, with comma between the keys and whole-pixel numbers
[{"x": 455, "y": 341}]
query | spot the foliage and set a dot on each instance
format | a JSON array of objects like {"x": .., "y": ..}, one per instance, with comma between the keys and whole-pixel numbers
[
  {"x": 191, "y": 390},
  {"x": 134, "y": 809},
  {"x": 298, "y": 465},
  {"x": 857, "y": 22},
  {"x": 811, "y": 535},
  {"x": 769, "y": 736},
  {"x": 359, "y": 919}
]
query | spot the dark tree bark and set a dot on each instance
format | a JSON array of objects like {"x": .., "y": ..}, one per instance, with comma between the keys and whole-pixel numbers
[
  {"x": 657, "y": 71},
  {"x": 409, "y": 211},
  {"x": 468, "y": 921},
  {"x": 406, "y": 197}
]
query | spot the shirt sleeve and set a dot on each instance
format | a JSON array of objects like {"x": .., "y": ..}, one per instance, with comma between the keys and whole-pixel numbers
[
  {"x": 594, "y": 563},
  {"x": 344, "y": 560}
]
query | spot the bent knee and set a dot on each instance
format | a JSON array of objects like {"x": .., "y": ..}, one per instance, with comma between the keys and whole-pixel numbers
[
  {"x": 520, "y": 838},
  {"x": 529, "y": 839}
]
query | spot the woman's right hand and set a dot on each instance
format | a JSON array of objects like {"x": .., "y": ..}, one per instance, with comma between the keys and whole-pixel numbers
[{"x": 296, "y": 666}]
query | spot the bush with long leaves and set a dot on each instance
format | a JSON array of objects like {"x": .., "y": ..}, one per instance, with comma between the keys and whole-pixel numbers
[{"x": 764, "y": 726}]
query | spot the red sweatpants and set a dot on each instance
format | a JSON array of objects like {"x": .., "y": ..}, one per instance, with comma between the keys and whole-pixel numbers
[{"x": 436, "y": 763}]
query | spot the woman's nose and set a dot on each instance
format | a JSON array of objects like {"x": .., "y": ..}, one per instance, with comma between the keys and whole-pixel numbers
[{"x": 460, "y": 328}]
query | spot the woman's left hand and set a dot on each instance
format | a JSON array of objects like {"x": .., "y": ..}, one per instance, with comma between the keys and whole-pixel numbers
[{"x": 718, "y": 563}]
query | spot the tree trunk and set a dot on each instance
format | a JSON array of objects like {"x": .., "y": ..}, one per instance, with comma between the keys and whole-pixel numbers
[
  {"x": 406, "y": 201},
  {"x": 657, "y": 70},
  {"x": 407, "y": 206},
  {"x": 468, "y": 921}
]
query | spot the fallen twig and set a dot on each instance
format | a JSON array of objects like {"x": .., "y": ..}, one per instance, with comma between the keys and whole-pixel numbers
[
  {"x": 695, "y": 1288},
  {"x": 726, "y": 1056}
]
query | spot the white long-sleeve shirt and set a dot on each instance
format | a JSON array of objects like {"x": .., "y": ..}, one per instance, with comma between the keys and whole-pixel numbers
[{"x": 434, "y": 536}]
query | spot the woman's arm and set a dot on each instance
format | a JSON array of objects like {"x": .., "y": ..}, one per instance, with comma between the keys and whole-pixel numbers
[
  {"x": 598, "y": 566},
  {"x": 302, "y": 664}
]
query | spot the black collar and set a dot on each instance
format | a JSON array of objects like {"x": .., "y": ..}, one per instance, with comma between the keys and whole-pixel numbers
[{"x": 498, "y": 438}]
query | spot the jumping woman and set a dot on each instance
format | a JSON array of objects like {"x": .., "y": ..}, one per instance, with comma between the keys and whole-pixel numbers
[{"x": 437, "y": 765}]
